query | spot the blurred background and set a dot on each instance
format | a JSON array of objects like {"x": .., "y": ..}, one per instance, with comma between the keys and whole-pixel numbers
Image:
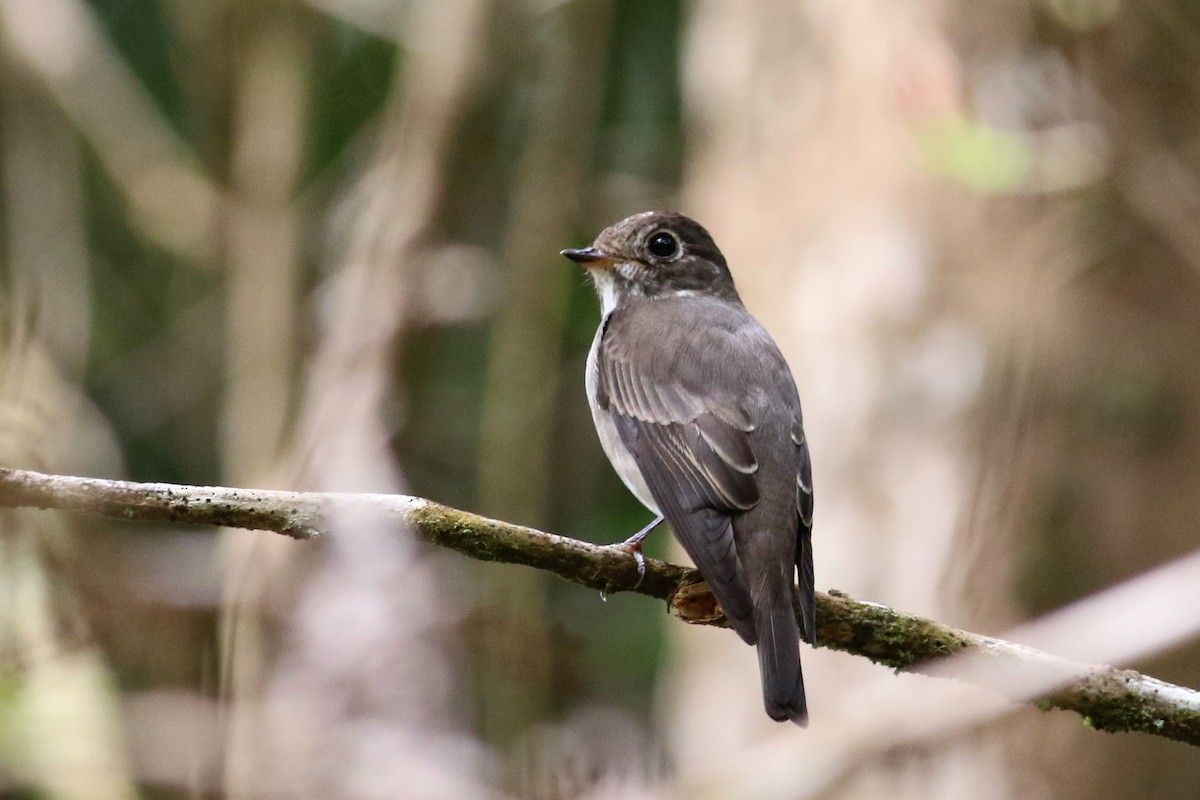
[{"x": 312, "y": 244}]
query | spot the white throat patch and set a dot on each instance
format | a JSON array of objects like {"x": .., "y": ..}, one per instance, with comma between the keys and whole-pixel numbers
[{"x": 606, "y": 288}]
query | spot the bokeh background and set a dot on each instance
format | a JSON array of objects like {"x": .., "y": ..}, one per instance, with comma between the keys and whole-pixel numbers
[{"x": 313, "y": 245}]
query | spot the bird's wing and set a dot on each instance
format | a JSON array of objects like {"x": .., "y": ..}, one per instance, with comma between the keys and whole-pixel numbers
[
  {"x": 674, "y": 386},
  {"x": 804, "y": 555}
]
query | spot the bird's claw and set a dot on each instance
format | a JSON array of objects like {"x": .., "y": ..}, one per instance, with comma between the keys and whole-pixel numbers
[{"x": 633, "y": 546}]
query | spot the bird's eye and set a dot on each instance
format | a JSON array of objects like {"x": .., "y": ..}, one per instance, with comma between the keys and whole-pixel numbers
[{"x": 663, "y": 245}]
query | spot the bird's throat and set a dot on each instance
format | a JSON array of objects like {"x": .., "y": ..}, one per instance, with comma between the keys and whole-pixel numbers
[{"x": 606, "y": 289}]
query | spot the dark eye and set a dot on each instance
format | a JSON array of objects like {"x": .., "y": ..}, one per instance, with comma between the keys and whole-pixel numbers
[{"x": 662, "y": 245}]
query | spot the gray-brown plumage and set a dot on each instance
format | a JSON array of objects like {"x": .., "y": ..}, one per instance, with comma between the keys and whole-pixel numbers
[{"x": 698, "y": 412}]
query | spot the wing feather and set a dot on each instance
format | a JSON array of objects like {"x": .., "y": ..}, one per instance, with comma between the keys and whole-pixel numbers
[
  {"x": 804, "y": 554},
  {"x": 731, "y": 444}
]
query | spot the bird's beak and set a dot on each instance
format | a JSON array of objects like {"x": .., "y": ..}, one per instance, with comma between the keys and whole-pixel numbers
[{"x": 590, "y": 257}]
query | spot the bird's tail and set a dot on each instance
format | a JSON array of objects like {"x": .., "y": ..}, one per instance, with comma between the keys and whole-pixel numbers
[{"x": 779, "y": 656}]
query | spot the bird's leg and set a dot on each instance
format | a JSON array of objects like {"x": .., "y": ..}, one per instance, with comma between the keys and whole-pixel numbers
[{"x": 633, "y": 546}]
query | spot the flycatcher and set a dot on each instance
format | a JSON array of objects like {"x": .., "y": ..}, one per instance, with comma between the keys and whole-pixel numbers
[{"x": 699, "y": 415}]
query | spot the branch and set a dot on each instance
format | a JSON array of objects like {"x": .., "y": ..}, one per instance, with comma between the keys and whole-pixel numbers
[{"x": 1107, "y": 698}]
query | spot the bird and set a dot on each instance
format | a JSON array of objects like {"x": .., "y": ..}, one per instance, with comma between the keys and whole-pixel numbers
[{"x": 699, "y": 414}]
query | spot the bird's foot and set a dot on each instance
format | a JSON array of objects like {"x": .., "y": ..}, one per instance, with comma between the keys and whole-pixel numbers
[{"x": 633, "y": 546}]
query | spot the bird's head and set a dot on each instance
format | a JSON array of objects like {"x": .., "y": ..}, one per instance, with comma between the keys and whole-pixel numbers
[{"x": 655, "y": 254}]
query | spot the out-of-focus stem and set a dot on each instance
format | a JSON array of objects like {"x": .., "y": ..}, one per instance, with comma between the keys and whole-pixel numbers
[{"x": 526, "y": 344}]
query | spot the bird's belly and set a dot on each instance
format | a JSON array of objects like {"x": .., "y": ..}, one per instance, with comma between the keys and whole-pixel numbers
[{"x": 618, "y": 454}]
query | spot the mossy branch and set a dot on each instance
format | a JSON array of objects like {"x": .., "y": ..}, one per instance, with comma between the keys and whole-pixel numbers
[{"x": 1107, "y": 698}]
